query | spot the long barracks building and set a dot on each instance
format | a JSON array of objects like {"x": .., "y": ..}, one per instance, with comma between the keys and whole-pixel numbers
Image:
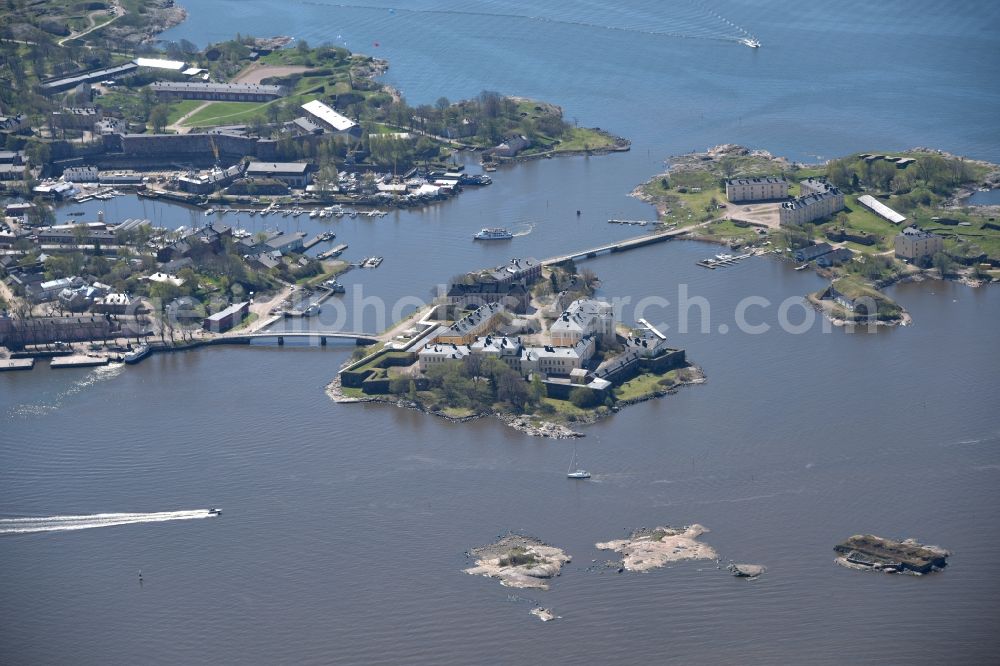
[{"x": 226, "y": 92}]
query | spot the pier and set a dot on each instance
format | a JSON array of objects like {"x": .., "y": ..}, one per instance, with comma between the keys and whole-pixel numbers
[
  {"x": 9, "y": 364},
  {"x": 78, "y": 361},
  {"x": 722, "y": 261},
  {"x": 321, "y": 238},
  {"x": 332, "y": 252}
]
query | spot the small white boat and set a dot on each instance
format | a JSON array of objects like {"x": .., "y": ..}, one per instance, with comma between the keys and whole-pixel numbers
[
  {"x": 751, "y": 42},
  {"x": 802, "y": 267},
  {"x": 212, "y": 512},
  {"x": 578, "y": 473}
]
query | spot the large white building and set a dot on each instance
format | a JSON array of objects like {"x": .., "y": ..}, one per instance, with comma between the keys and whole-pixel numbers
[
  {"x": 330, "y": 119},
  {"x": 880, "y": 209},
  {"x": 550, "y": 360},
  {"x": 756, "y": 189},
  {"x": 436, "y": 353},
  {"x": 583, "y": 317}
]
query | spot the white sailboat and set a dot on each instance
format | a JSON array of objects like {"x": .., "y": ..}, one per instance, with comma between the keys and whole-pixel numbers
[{"x": 578, "y": 473}]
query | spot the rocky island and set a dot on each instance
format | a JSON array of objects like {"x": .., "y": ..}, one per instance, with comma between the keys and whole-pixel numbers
[
  {"x": 647, "y": 549},
  {"x": 519, "y": 561}
]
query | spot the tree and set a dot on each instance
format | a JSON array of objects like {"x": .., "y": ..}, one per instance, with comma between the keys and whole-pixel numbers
[
  {"x": 839, "y": 173},
  {"x": 943, "y": 263},
  {"x": 584, "y": 397},
  {"x": 158, "y": 117},
  {"x": 537, "y": 388},
  {"x": 39, "y": 153},
  {"x": 728, "y": 166},
  {"x": 147, "y": 100}
]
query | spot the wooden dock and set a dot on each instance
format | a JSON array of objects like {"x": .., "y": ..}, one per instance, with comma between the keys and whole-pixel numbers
[
  {"x": 332, "y": 252},
  {"x": 9, "y": 364},
  {"x": 714, "y": 263},
  {"x": 321, "y": 238}
]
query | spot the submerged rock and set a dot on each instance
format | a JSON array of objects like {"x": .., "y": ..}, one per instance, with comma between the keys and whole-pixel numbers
[
  {"x": 867, "y": 551},
  {"x": 544, "y": 614},
  {"x": 650, "y": 549},
  {"x": 519, "y": 561}
]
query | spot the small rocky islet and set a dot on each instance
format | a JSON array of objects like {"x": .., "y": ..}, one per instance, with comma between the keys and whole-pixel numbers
[{"x": 868, "y": 552}]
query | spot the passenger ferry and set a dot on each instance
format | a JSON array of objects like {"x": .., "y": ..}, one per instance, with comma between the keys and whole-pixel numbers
[{"x": 494, "y": 234}]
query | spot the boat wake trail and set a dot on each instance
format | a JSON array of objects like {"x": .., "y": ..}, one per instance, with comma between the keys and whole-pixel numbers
[
  {"x": 28, "y": 525},
  {"x": 692, "y": 20},
  {"x": 95, "y": 376},
  {"x": 523, "y": 230}
]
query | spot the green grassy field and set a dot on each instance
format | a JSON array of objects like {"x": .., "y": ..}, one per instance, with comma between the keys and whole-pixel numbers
[
  {"x": 226, "y": 113},
  {"x": 178, "y": 109},
  {"x": 583, "y": 138}
]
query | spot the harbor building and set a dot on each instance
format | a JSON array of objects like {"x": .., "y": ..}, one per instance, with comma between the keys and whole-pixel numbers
[
  {"x": 756, "y": 189},
  {"x": 293, "y": 174},
  {"x": 225, "y": 92},
  {"x": 223, "y": 320},
  {"x": 811, "y": 207},
  {"x": 811, "y": 252},
  {"x": 913, "y": 244}
]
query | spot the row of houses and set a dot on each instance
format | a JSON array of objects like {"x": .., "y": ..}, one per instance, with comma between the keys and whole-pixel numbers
[{"x": 526, "y": 359}]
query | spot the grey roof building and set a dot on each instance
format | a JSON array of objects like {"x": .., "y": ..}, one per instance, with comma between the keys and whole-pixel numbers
[
  {"x": 229, "y": 92},
  {"x": 294, "y": 174}
]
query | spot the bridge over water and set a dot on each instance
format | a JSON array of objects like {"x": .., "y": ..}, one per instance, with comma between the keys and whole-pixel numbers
[
  {"x": 620, "y": 246},
  {"x": 320, "y": 337}
]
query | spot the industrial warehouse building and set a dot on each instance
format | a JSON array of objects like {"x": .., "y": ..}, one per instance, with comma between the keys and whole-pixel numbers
[{"x": 293, "y": 174}]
